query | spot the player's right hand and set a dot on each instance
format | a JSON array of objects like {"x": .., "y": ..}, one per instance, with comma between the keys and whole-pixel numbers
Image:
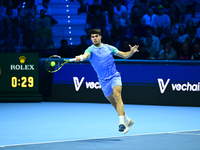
[{"x": 77, "y": 59}]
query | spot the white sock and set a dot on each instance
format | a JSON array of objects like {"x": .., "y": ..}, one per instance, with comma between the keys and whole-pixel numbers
[
  {"x": 126, "y": 118},
  {"x": 121, "y": 119}
]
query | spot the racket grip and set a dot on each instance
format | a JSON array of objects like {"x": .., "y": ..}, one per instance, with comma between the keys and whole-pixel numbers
[{"x": 72, "y": 60}]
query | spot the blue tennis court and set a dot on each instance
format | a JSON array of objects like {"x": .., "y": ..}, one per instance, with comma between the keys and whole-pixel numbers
[{"x": 85, "y": 126}]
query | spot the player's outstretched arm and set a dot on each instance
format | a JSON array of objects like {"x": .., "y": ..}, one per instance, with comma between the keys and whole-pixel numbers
[
  {"x": 82, "y": 57},
  {"x": 128, "y": 54}
]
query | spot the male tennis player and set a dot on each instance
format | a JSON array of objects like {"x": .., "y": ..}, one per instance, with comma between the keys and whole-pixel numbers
[{"x": 101, "y": 58}]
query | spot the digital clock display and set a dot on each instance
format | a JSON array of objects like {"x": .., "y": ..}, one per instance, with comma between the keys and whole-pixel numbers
[
  {"x": 19, "y": 80},
  {"x": 20, "y": 72},
  {"x": 26, "y": 81},
  {"x": 23, "y": 82}
]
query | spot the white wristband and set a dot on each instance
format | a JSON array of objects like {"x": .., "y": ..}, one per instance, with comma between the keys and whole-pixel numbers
[{"x": 81, "y": 58}]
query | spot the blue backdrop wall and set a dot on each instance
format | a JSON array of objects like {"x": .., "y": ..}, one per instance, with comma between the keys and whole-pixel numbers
[{"x": 144, "y": 82}]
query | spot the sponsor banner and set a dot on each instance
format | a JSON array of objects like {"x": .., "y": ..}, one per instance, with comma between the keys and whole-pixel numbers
[{"x": 142, "y": 84}]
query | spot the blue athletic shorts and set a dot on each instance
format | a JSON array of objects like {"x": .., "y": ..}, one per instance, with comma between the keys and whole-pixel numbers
[{"x": 107, "y": 86}]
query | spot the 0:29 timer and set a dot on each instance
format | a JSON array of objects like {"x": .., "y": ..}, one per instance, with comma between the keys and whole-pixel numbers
[{"x": 22, "y": 82}]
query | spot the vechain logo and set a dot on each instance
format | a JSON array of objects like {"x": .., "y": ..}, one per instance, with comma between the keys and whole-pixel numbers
[
  {"x": 178, "y": 87},
  {"x": 89, "y": 85}
]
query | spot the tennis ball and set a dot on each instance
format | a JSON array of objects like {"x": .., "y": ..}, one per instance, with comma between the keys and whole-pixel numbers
[{"x": 53, "y": 64}]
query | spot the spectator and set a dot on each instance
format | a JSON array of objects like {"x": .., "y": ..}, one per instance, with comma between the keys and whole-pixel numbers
[
  {"x": 168, "y": 53},
  {"x": 176, "y": 44},
  {"x": 125, "y": 45},
  {"x": 151, "y": 48},
  {"x": 11, "y": 35},
  {"x": 28, "y": 10},
  {"x": 135, "y": 17},
  {"x": 168, "y": 36},
  {"x": 153, "y": 5},
  {"x": 192, "y": 34},
  {"x": 92, "y": 8},
  {"x": 141, "y": 7},
  {"x": 198, "y": 29},
  {"x": 83, "y": 6},
  {"x": 149, "y": 17},
  {"x": 10, "y": 16},
  {"x": 176, "y": 10},
  {"x": 116, "y": 31},
  {"x": 43, "y": 37},
  {"x": 44, "y": 18},
  {"x": 128, "y": 31},
  {"x": 98, "y": 20},
  {"x": 2, "y": 40},
  {"x": 38, "y": 2},
  {"x": 196, "y": 54},
  {"x": 141, "y": 29},
  {"x": 135, "y": 41},
  {"x": 8, "y": 9},
  {"x": 47, "y": 9},
  {"x": 124, "y": 18},
  {"x": 65, "y": 50},
  {"x": 190, "y": 25},
  {"x": 142, "y": 54},
  {"x": 2, "y": 9},
  {"x": 119, "y": 8},
  {"x": 182, "y": 34},
  {"x": 161, "y": 21},
  {"x": 87, "y": 31},
  {"x": 155, "y": 42},
  {"x": 189, "y": 41},
  {"x": 82, "y": 46},
  {"x": 105, "y": 37},
  {"x": 166, "y": 4},
  {"x": 191, "y": 7},
  {"x": 186, "y": 53},
  {"x": 28, "y": 31},
  {"x": 109, "y": 7}
]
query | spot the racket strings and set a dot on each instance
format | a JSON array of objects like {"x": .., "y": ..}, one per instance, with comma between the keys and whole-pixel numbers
[{"x": 58, "y": 63}]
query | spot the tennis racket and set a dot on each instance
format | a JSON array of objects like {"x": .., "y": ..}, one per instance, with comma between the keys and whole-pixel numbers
[{"x": 55, "y": 63}]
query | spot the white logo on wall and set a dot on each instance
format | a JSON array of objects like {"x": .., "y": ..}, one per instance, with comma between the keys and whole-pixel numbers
[
  {"x": 89, "y": 85},
  {"x": 178, "y": 87}
]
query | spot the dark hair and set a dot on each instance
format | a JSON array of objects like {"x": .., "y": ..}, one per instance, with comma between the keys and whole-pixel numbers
[
  {"x": 105, "y": 31},
  {"x": 95, "y": 31},
  {"x": 180, "y": 28},
  {"x": 82, "y": 36},
  {"x": 42, "y": 10},
  {"x": 187, "y": 26},
  {"x": 192, "y": 30},
  {"x": 167, "y": 28},
  {"x": 63, "y": 41},
  {"x": 167, "y": 42},
  {"x": 30, "y": 3}
]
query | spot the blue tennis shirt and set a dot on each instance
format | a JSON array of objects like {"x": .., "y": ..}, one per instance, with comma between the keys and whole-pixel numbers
[{"x": 101, "y": 58}]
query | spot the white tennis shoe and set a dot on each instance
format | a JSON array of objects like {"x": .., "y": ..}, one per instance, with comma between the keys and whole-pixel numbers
[{"x": 128, "y": 124}]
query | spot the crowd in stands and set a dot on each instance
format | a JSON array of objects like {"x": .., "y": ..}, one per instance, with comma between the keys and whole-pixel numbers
[
  {"x": 156, "y": 26},
  {"x": 27, "y": 23}
]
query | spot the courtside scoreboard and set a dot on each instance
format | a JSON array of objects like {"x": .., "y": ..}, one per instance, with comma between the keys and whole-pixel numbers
[{"x": 19, "y": 77}]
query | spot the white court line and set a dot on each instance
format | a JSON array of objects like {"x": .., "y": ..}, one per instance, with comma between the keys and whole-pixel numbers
[
  {"x": 174, "y": 132},
  {"x": 186, "y": 133}
]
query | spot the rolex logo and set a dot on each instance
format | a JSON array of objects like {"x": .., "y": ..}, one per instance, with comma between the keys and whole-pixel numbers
[
  {"x": 22, "y": 59},
  {"x": 22, "y": 66}
]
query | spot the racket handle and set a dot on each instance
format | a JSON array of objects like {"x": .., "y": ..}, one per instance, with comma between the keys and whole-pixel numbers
[{"x": 72, "y": 60}]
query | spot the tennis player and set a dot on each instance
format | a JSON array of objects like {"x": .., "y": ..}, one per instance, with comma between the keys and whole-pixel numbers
[{"x": 101, "y": 58}]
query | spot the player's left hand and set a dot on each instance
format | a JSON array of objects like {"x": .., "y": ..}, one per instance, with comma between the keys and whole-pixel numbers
[{"x": 134, "y": 48}]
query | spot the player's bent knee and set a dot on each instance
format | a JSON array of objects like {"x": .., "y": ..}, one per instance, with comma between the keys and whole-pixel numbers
[{"x": 118, "y": 97}]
